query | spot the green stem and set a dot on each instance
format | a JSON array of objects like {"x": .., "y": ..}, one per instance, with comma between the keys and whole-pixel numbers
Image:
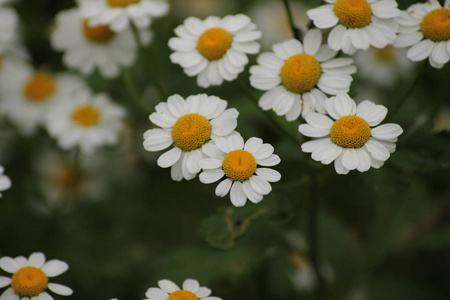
[
  {"x": 295, "y": 30},
  {"x": 403, "y": 99},
  {"x": 132, "y": 89},
  {"x": 270, "y": 117}
]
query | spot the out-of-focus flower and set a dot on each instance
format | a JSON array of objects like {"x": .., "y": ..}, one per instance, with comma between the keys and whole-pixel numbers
[
  {"x": 201, "y": 8},
  {"x": 442, "y": 120},
  {"x": 87, "y": 47},
  {"x": 357, "y": 24},
  {"x": 30, "y": 277},
  {"x": 238, "y": 163},
  {"x": 383, "y": 66},
  {"x": 119, "y": 13},
  {"x": 168, "y": 290},
  {"x": 271, "y": 19},
  {"x": 426, "y": 29},
  {"x": 189, "y": 125},
  {"x": 9, "y": 22},
  {"x": 5, "y": 182},
  {"x": 297, "y": 75},
  {"x": 214, "y": 49},
  {"x": 351, "y": 141},
  {"x": 27, "y": 94},
  {"x": 85, "y": 120}
]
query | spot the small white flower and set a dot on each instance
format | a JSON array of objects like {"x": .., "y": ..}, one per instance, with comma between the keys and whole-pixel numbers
[
  {"x": 238, "y": 163},
  {"x": 383, "y": 66},
  {"x": 5, "y": 182},
  {"x": 351, "y": 141},
  {"x": 168, "y": 290},
  {"x": 30, "y": 277},
  {"x": 297, "y": 75},
  {"x": 426, "y": 29},
  {"x": 357, "y": 24},
  {"x": 189, "y": 125},
  {"x": 118, "y": 13},
  {"x": 26, "y": 95},
  {"x": 214, "y": 49},
  {"x": 88, "y": 47},
  {"x": 9, "y": 22},
  {"x": 85, "y": 120}
]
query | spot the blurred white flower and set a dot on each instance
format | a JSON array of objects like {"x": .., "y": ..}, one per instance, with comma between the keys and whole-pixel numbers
[
  {"x": 168, "y": 290},
  {"x": 236, "y": 163},
  {"x": 189, "y": 125},
  {"x": 215, "y": 49},
  {"x": 85, "y": 120},
  {"x": 5, "y": 182},
  {"x": 9, "y": 22}
]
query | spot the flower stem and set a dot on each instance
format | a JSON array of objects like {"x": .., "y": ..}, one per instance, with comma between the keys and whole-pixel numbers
[
  {"x": 270, "y": 117},
  {"x": 402, "y": 100},
  {"x": 295, "y": 30},
  {"x": 132, "y": 89}
]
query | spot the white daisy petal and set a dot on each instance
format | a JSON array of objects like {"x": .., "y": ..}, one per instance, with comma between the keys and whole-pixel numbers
[
  {"x": 223, "y": 187},
  {"x": 386, "y": 131},
  {"x": 203, "y": 292},
  {"x": 21, "y": 261},
  {"x": 378, "y": 151},
  {"x": 8, "y": 264},
  {"x": 339, "y": 167},
  {"x": 235, "y": 142},
  {"x": 191, "y": 285},
  {"x": 363, "y": 159},
  {"x": 4, "y": 281},
  {"x": 312, "y": 41},
  {"x": 270, "y": 161},
  {"x": 250, "y": 193},
  {"x": 169, "y": 158},
  {"x": 54, "y": 267},
  {"x": 350, "y": 159},
  {"x": 45, "y": 296},
  {"x": 268, "y": 174},
  {"x": 420, "y": 51},
  {"x": 311, "y": 131},
  {"x": 156, "y": 294},
  {"x": 168, "y": 286},
  {"x": 237, "y": 194},
  {"x": 210, "y": 176},
  {"x": 60, "y": 289},
  {"x": 252, "y": 144},
  {"x": 210, "y": 163}
]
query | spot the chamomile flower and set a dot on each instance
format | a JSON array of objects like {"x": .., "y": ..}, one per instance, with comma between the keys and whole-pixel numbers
[
  {"x": 383, "y": 66},
  {"x": 85, "y": 120},
  {"x": 349, "y": 137},
  {"x": 118, "y": 14},
  {"x": 168, "y": 290},
  {"x": 5, "y": 182},
  {"x": 357, "y": 24},
  {"x": 297, "y": 75},
  {"x": 236, "y": 164},
  {"x": 27, "y": 94},
  {"x": 189, "y": 125},
  {"x": 88, "y": 47},
  {"x": 214, "y": 49},
  {"x": 30, "y": 278},
  {"x": 9, "y": 22},
  {"x": 426, "y": 29}
]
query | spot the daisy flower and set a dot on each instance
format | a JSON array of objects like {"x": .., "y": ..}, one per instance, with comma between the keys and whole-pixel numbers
[
  {"x": 237, "y": 164},
  {"x": 357, "y": 24},
  {"x": 189, "y": 125},
  {"x": 5, "y": 182},
  {"x": 88, "y": 47},
  {"x": 30, "y": 277},
  {"x": 9, "y": 22},
  {"x": 426, "y": 29},
  {"x": 168, "y": 290},
  {"x": 27, "y": 94},
  {"x": 383, "y": 66},
  {"x": 85, "y": 120},
  {"x": 118, "y": 13},
  {"x": 214, "y": 49},
  {"x": 297, "y": 75},
  {"x": 349, "y": 137}
]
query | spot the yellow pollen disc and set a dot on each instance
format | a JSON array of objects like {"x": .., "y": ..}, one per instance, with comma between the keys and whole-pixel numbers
[
  {"x": 350, "y": 132},
  {"x": 239, "y": 165},
  {"x": 214, "y": 43},
  {"x": 435, "y": 25},
  {"x": 98, "y": 34},
  {"x": 191, "y": 131},
  {"x": 86, "y": 115},
  {"x": 39, "y": 87},
  {"x": 122, "y": 3},
  {"x": 29, "y": 281},
  {"x": 353, "y": 13},
  {"x": 300, "y": 73},
  {"x": 182, "y": 295},
  {"x": 385, "y": 54}
]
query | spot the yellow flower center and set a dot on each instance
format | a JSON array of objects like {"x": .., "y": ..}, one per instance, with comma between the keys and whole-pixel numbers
[
  {"x": 300, "y": 73},
  {"x": 191, "y": 131},
  {"x": 86, "y": 115},
  {"x": 98, "y": 34},
  {"x": 29, "y": 281},
  {"x": 350, "y": 132},
  {"x": 214, "y": 43},
  {"x": 121, "y": 3},
  {"x": 385, "y": 54},
  {"x": 435, "y": 25},
  {"x": 39, "y": 87},
  {"x": 182, "y": 295},
  {"x": 353, "y": 13},
  {"x": 239, "y": 165}
]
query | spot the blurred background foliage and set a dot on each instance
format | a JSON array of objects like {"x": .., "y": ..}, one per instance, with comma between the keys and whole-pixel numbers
[{"x": 122, "y": 224}]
